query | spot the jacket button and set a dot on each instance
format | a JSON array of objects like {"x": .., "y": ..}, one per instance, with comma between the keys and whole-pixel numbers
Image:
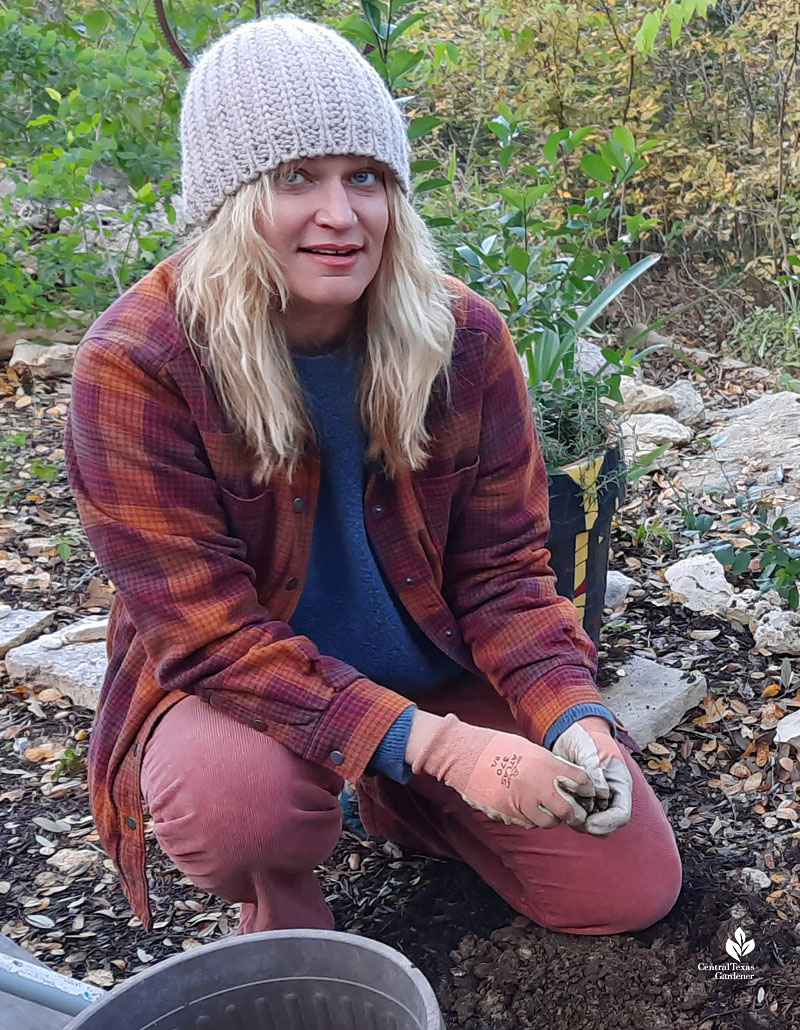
[
  {"x": 448, "y": 632},
  {"x": 258, "y": 724},
  {"x": 409, "y": 579},
  {"x": 378, "y": 509},
  {"x": 131, "y": 822},
  {"x": 291, "y": 584},
  {"x": 336, "y": 757},
  {"x": 298, "y": 504}
]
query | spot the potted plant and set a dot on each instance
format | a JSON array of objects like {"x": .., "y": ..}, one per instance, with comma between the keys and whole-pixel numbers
[{"x": 545, "y": 279}]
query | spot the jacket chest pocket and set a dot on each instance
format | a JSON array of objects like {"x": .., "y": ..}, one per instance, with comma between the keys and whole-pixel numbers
[
  {"x": 441, "y": 499},
  {"x": 251, "y": 521}
]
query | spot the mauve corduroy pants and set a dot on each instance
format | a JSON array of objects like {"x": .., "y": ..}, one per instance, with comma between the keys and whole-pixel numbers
[{"x": 246, "y": 819}]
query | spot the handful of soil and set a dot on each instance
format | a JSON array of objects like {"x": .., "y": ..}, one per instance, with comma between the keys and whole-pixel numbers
[{"x": 592, "y": 804}]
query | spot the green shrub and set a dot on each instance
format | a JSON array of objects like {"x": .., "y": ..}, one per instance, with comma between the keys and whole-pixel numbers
[{"x": 768, "y": 337}]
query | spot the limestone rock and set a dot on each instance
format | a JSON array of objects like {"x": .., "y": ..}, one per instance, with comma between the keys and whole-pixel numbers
[
  {"x": 639, "y": 398},
  {"x": 20, "y": 624},
  {"x": 71, "y": 333},
  {"x": 651, "y": 699},
  {"x": 689, "y": 409},
  {"x": 788, "y": 730},
  {"x": 617, "y": 587},
  {"x": 755, "y": 879},
  {"x": 699, "y": 583},
  {"x": 778, "y": 632},
  {"x": 73, "y": 861},
  {"x": 76, "y": 669},
  {"x": 38, "y": 580},
  {"x": 643, "y": 433},
  {"x": 751, "y": 441},
  {"x": 769, "y": 602},
  {"x": 589, "y": 358},
  {"x": 749, "y": 605},
  {"x": 87, "y": 630},
  {"x": 45, "y": 361}
]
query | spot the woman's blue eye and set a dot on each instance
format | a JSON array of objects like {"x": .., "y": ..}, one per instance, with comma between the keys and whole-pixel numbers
[{"x": 296, "y": 171}]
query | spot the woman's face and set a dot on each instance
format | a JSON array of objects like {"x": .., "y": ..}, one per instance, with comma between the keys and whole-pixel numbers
[{"x": 330, "y": 200}]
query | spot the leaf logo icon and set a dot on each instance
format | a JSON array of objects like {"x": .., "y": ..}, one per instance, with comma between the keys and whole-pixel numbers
[{"x": 739, "y": 947}]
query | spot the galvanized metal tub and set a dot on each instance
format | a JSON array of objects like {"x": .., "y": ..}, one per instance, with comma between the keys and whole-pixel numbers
[{"x": 277, "y": 980}]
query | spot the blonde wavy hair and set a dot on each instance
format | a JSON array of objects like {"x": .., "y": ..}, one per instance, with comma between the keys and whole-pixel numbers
[{"x": 229, "y": 286}]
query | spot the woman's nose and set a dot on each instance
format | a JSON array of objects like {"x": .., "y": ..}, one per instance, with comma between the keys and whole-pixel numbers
[{"x": 335, "y": 207}]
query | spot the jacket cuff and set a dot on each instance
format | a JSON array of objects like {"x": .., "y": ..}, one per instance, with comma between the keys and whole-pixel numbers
[
  {"x": 560, "y": 689},
  {"x": 352, "y": 727},
  {"x": 389, "y": 758},
  {"x": 572, "y": 715}
]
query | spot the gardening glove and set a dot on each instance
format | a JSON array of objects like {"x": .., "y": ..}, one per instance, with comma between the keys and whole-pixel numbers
[
  {"x": 588, "y": 743},
  {"x": 503, "y": 775}
]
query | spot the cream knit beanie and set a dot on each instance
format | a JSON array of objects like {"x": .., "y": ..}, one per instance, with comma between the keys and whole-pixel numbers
[{"x": 274, "y": 90}]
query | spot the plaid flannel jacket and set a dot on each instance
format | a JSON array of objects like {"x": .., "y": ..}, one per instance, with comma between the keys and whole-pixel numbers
[{"x": 208, "y": 566}]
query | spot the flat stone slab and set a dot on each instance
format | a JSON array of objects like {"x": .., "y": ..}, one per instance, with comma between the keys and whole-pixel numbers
[
  {"x": 76, "y": 669},
  {"x": 651, "y": 699},
  {"x": 753, "y": 441},
  {"x": 20, "y": 624}
]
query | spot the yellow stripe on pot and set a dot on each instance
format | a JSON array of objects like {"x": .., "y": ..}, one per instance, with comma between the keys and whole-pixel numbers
[
  {"x": 585, "y": 474},
  {"x": 581, "y": 557}
]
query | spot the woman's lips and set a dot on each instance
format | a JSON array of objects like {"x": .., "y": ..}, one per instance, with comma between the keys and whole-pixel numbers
[{"x": 336, "y": 261}]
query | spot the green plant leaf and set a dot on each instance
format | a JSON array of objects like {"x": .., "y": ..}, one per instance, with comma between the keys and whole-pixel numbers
[
  {"x": 596, "y": 168},
  {"x": 644, "y": 463},
  {"x": 512, "y": 197},
  {"x": 624, "y": 137},
  {"x": 468, "y": 255},
  {"x": 422, "y": 126},
  {"x": 405, "y": 24},
  {"x": 96, "y": 20},
  {"x": 578, "y": 136},
  {"x": 741, "y": 562},
  {"x": 431, "y": 184},
  {"x": 518, "y": 259},
  {"x": 424, "y": 165},
  {"x": 550, "y": 149},
  {"x": 613, "y": 290},
  {"x": 372, "y": 16},
  {"x": 725, "y": 555},
  {"x": 403, "y": 62}
]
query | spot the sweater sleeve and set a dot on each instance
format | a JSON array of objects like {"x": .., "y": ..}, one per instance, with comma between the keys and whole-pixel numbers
[
  {"x": 389, "y": 757},
  {"x": 572, "y": 715}
]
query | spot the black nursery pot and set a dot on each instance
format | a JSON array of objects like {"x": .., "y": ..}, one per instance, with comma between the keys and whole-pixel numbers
[{"x": 583, "y": 499}]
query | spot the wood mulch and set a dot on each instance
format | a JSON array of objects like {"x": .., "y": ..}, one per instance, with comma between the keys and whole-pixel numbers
[{"x": 732, "y": 796}]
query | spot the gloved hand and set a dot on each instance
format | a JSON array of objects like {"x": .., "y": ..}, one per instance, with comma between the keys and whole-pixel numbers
[
  {"x": 503, "y": 775},
  {"x": 588, "y": 742}
]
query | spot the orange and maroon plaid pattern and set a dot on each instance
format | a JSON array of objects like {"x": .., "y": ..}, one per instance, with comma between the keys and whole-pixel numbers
[{"x": 208, "y": 566}]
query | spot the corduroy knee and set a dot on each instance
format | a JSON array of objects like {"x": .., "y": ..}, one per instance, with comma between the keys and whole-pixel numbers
[{"x": 227, "y": 800}]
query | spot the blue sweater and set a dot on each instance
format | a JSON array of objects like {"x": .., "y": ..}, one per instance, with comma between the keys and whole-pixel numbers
[{"x": 347, "y": 606}]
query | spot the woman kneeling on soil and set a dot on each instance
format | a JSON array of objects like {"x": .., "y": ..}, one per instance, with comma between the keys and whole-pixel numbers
[{"x": 315, "y": 483}]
